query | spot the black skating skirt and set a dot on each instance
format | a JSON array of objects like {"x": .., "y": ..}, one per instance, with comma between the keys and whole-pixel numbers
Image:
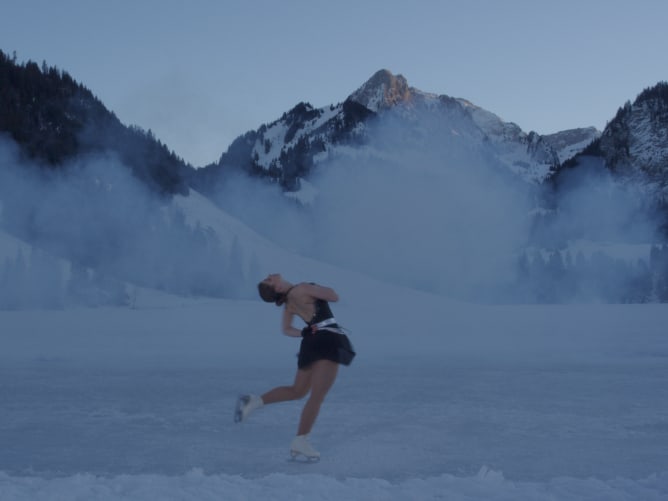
[{"x": 325, "y": 345}]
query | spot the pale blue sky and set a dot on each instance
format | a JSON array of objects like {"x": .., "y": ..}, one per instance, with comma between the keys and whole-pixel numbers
[{"x": 199, "y": 73}]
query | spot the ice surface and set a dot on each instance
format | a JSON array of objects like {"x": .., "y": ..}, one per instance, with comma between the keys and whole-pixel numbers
[{"x": 444, "y": 400}]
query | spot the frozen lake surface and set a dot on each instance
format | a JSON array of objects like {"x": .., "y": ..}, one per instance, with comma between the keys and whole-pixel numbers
[
  {"x": 107, "y": 412},
  {"x": 390, "y": 423}
]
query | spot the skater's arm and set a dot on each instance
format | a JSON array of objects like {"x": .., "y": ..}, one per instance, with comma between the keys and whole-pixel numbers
[
  {"x": 321, "y": 292},
  {"x": 288, "y": 329}
]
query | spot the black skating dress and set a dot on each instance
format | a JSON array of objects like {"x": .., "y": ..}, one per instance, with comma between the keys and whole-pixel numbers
[{"x": 323, "y": 339}]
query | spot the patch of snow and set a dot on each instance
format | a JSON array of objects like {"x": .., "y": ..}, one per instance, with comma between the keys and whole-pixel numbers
[
  {"x": 196, "y": 484},
  {"x": 274, "y": 136}
]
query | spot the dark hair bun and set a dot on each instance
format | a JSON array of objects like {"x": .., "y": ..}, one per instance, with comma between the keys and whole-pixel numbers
[{"x": 267, "y": 292}]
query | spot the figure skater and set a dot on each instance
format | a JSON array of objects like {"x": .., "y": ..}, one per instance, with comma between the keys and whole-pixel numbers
[{"x": 323, "y": 347}]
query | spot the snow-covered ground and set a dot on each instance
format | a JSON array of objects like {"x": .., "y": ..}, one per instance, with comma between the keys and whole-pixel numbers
[{"x": 444, "y": 401}]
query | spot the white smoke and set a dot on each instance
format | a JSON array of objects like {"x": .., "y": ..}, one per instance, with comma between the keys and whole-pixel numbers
[
  {"x": 104, "y": 230},
  {"x": 427, "y": 207},
  {"x": 430, "y": 211}
]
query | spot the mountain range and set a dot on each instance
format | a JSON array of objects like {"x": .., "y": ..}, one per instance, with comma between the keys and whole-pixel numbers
[
  {"x": 53, "y": 118},
  {"x": 304, "y": 138},
  {"x": 69, "y": 171}
]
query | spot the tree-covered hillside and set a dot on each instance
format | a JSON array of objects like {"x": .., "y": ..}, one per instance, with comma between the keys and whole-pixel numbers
[{"x": 54, "y": 119}]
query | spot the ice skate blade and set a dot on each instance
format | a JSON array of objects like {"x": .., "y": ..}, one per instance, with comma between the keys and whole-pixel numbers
[
  {"x": 298, "y": 457},
  {"x": 238, "y": 414}
]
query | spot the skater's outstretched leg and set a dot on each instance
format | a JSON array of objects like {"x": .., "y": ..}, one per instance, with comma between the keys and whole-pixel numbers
[
  {"x": 248, "y": 403},
  {"x": 299, "y": 389}
]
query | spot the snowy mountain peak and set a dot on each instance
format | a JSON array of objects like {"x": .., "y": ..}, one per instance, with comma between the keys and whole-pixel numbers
[
  {"x": 304, "y": 138},
  {"x": 383, "y": 90}
]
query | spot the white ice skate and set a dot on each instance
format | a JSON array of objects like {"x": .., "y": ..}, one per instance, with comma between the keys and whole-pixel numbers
[
  {"x": 245, "y": 405},
  {"x": 302, "y": 450}
]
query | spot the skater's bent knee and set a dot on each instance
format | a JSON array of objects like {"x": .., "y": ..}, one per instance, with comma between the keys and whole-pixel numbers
[{"x": 299, "y": 393}]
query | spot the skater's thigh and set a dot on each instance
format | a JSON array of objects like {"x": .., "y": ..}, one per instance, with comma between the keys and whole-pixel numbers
[
  {"x": 324, "y": 375},
  {"x": 302, "y": 383}
]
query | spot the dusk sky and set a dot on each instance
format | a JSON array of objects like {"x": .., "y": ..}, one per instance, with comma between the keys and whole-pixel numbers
[{"x": 199, "y": 73}]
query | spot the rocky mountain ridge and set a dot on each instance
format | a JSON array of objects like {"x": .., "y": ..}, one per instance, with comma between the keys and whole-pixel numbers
[
  {"x": 288, "y": 149},
  {"x": 633, "y": 147}
]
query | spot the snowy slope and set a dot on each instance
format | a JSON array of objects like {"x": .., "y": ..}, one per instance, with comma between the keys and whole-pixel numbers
[
  {"x": 259, "y": 255},
  {"x": 569, "y": 143}
]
